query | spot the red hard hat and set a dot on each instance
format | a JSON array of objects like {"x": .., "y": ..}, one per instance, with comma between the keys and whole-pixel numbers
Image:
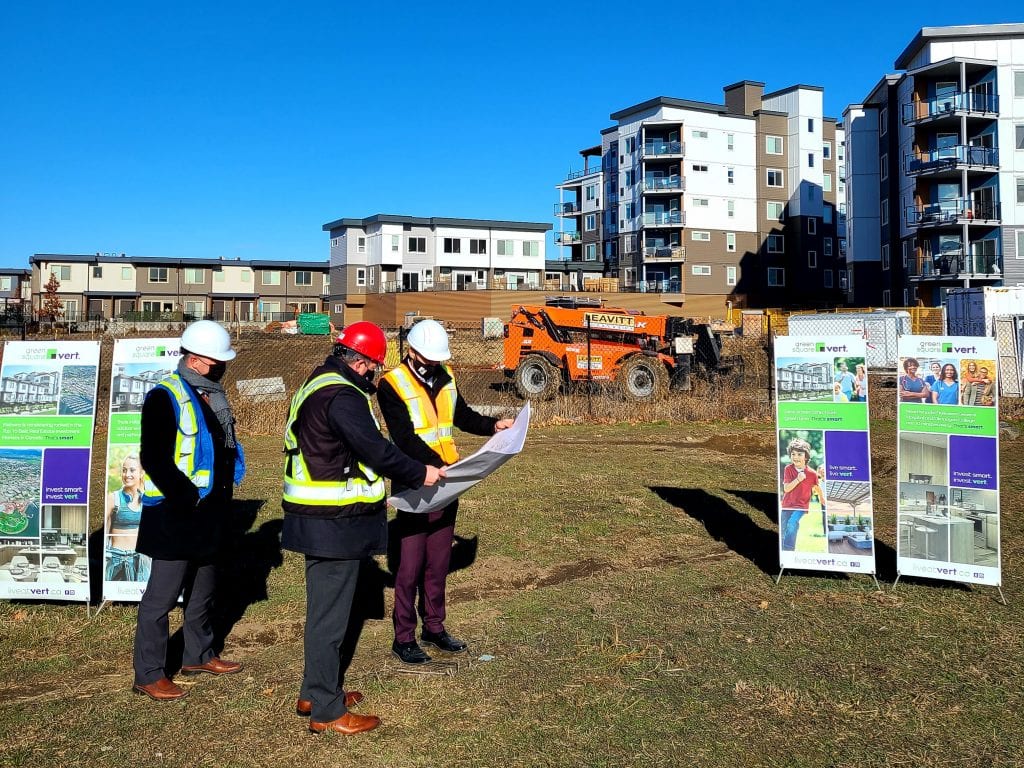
[{"x": 365, "y": 338}]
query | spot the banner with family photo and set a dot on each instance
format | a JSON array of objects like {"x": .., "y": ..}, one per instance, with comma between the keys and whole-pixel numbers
[
  {"x": 826, "y": 522},
  {"x": 47, "y": 414},
  {"x": 138, "y": 365},
  {"x": 948, "y": 459}
]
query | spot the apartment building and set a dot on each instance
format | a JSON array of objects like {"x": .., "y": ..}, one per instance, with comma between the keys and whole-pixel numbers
[
  {"x": 385, "y": 253},
  {"x": 105, "y": 286},
  {"x": 735, "y": 202},
  {"x": 936, "y": 169},
  {"x": 15, "y": 289}
]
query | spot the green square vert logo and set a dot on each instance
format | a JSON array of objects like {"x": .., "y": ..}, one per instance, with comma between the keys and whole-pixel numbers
[
  {"x": 819, "y": 346},
  {"x": 947, "y": 347},
  {"x": 51, "y": 354},
  {"x": 161, "y": 351}
]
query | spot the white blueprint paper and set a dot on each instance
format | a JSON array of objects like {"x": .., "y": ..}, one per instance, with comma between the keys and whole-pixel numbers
[{"x": 465, "y": 473}]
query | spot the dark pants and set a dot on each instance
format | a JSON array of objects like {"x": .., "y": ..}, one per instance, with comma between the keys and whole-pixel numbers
[
  {"x": 167, "y": 579},
  {"x": 424, "y": 558},
  {"x": 330, "y": 588}
]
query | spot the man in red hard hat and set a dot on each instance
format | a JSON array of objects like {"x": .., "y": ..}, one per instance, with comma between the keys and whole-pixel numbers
[{"x": 334, "y": 510}]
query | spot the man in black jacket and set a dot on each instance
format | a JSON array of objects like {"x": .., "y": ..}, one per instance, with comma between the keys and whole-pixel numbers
[
  {"x": 191, "y": 459},
  {"x": 334, "y": 510}
]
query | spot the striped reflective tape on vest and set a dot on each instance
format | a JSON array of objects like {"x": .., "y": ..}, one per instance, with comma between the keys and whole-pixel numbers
[{"x": 433, "y": 425}]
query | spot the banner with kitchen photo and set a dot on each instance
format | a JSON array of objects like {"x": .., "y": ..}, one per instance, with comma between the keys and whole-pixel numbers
[
  {"x": 47, "y": 415},
  {"x": 826, "y": 520},
  {"x": 947, "y": 511},
  {"x": 138, "y": 365}
]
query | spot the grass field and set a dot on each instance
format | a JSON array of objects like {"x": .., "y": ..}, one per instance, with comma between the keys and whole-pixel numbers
[{"x": 621, "y": 577}]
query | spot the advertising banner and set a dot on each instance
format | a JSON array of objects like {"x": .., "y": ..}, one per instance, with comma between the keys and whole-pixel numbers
[
  {"x": 138, "y": 365},
  {"x": 826, "y": 522},
  {"x": 47, "y": 411},
  {"x": 947, "y": 509}
]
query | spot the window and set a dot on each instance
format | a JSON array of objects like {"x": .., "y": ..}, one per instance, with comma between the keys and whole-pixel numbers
[
  {"x": 590, "y": 222},
  {"x": 776, "y": 210},
  {"x": 906, "y": 253},
  {"x": 308, "y": 306},
  {"x": 810, "y": 125},
  {"x": 335, "y": 242},
  {"x": 826, "y": 150},
  {"x": 826, "y": 246},
  {"x": 812, "y": 226},
  {"x": 810, "y": 159},
  {"x": 883, "y": 121},
  {"x": 195, "y": 308},
  {"x": 5, "y": 283},
  {"x": 699, "y": 168},
  {"x": 303, "y": 277},
  {"x": 730, "y": 242},
  {"x": 826, "y": 182},
  {"x": 126, "y": 273},
  {"x": 531, "y": 248},
  {"x": 271, "y": 277},
  {"x": 590, "y": 191},
  {"x": 730, "y": 275},
  {"x": 885, "y": 212},
  {"x": 730, "y": 208},
  {"x": 826, "y": 213},
  {"x": 703, "y": 270},
  {"x": 97, "y": 272},
  {"x": 630, "y": 178},
  {"x": 1020, "y": 243},
  {"x": 701, "y": 202},
  {"x": 703, "y": 237},
  {"x": 1018, "y": 84},
  {"x": 883, "y": 167},
  {"x": 245, "y": 276},
  {"x": 730, "y": 141},
  {"x": 193, "y": 276},
  {"x": 885, "y": 297},
  {"x": 452, "y": 245},
  {"x": 812, "y": 259},
  {"x": 159, "y": 274},
  {"x": 776, "y": 277},
  {"x": 827, "y": 277},
  {"x": 361, "y": 244},
  {"x": 629, "y": 210},
  {"x": 417, "y": 245},
  {"x": 774, "y": 177},
  {"x": 218, "y": 276},
  {"x": 327, "y": 281},
  {"x": 339, "y": 308},
  {"x": 477, "y": 246},
  {"x": 1020, "y": 190},
  {"x": 361, "y": 276},
  {"x": 730, "y": 175},
  {"x": 699, "y": 134},
  {"x": 395, "y": 243},
  {"x": 885, "y": 258},
  {"x": 773, "y": 145},
  {"x": 776, "y": 244},
  {"x": 504, "y": 248},
  {"x": 631, "y": 143},
  {"x": 373, "y": 274},
  {"x": 590, "y": 252}
]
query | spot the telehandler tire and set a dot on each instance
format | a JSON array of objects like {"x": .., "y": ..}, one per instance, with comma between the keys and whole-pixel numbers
[
  {"x": 643, "y": 378},
  {"x": 537, "y": 379}
]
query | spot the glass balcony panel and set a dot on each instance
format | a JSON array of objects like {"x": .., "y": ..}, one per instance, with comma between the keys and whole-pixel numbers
[
  {"x": 972, "y": 102},
  {"x": 665, "y": 218},
  {"x": 951, "y": 157}
]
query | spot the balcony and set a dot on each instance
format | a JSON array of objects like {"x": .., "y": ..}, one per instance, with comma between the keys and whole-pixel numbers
[
  {"x": 654, "y": 286},
  {"x": 665, "y": 253},
  {"x": 567, "y": 209},
  {"x": 980, "y": 105},
  {"x": 568, "y": 238},
  {"x": 955, "y": 265},
  {"x": 582, "y": 173},
  {"x": 947, "y": 160},
  {"x": 673, "y": 183},
  {"x": 665, "y": 219},
  {"x": 659, "y": 148},
  {"x": 953, "y": 212}
]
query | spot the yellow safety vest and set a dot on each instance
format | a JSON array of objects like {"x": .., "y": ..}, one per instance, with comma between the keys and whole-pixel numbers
[
  {"x": 433, "y": 425},
  {"x": 364, "y": 486},
  {"x": 189, "y": 443}
]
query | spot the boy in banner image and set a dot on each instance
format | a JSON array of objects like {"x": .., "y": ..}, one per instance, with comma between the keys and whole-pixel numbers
[{"x": 800, "y": 484}]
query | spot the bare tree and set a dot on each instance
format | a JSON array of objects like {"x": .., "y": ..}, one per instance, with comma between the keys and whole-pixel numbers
[{"x": 53, "y": 307}]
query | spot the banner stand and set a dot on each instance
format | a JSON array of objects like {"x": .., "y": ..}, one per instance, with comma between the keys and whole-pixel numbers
[
  {"x": 93, "y": 614},
  {"x": 1002, "y": 597},
  {"x": 873, "y": 578}
]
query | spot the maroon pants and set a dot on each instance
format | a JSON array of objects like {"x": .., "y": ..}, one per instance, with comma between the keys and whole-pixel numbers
[{"x": 424, "y": 556}]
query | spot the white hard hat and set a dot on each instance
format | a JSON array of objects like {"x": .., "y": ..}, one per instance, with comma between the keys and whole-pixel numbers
[
  {"x": 209, "y": 339},
  {"x": 430, "y": 339}
]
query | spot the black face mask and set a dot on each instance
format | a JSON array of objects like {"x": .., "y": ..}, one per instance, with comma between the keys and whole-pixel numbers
[
  {"x": 369, "y": 375},
  {"x": 425, "y": 370},
  {"x": 216, "y": 372}
]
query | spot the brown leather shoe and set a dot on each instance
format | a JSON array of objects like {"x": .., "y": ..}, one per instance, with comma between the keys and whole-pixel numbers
[
  {"x": 214, "y": 666},
  {"x": 347, "y": 724},
  {"x": 304, "y": 707},
  {"x": 162, "y": 690}
]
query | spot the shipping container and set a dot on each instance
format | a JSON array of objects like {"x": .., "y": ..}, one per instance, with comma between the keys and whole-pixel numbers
[{"x": 969, "y": 311}]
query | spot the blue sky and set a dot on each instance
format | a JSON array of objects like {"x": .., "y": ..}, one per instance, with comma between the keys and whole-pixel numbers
[{"x": 238, "y": 129}]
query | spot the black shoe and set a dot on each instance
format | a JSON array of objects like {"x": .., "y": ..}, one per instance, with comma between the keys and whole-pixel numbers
[
  {"x": 443, "y": 641},
  {"x": 409, "y": 653}
]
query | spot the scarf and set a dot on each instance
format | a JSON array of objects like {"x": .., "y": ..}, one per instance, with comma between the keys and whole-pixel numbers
[{"x": 216, "y": 398}]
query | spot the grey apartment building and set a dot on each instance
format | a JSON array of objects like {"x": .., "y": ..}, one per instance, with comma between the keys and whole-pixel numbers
[
  {"x": 935, "y": 169},
  {"x": 107, "y": 286},
  {"x": 739, "y": 202}
]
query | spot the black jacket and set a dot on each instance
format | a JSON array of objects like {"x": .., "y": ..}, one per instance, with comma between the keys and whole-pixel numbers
[
  {"x": 181, "y": 527},
  {"x": 335, "y": 428}
]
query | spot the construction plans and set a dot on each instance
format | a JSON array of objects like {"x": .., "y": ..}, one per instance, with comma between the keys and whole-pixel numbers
[{"x": 465, "y": 473}]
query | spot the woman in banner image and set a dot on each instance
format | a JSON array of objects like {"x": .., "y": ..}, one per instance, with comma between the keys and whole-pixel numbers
[
  {"x": 913, "y": 389},
  {"x": 947, "y": 389},
  {"x": 860, "y": 385},
  {"x": 973, "y": 384},
  {"x": 799, "y": 483},
  {"x": 123, "y": 512}
]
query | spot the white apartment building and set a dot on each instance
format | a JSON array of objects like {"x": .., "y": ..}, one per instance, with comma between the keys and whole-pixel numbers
[
  {"x": 388, "y": 254},
  {"x": 729, "y": 202}
]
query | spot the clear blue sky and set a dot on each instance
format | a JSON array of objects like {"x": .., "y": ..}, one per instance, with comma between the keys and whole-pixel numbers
[{"x": 238, "y": 129}]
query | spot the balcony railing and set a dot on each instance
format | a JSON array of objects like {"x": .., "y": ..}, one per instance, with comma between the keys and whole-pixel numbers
[
  {"x": 665, "y": 253},
  {"x": 955, "y": 211},
  {"x": 664, "y": 219},
  {"x": 567, "y": 209},
  {"x": 654, "y": 286},
  {"x": 662, "y": 148},
  {"x": 674, "y": 183},
  {"x": 568, "y": 238},
  {"x": 951, "y": 158},
  {"x": 579, "y": 174},
  {"x": 955, "y": 265},
  {"x": 949, "y": 106}
]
